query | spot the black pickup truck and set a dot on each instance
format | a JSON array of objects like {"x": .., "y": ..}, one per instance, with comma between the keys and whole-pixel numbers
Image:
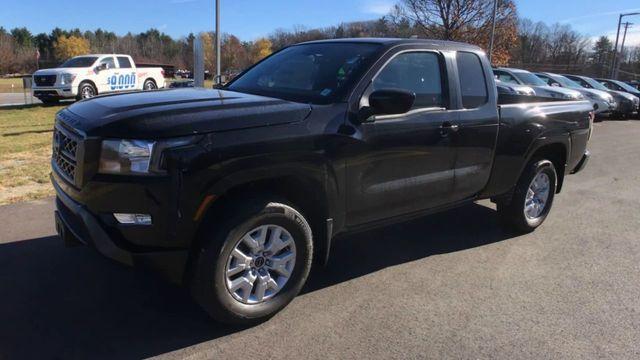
[{"x": 237, "y": 191}]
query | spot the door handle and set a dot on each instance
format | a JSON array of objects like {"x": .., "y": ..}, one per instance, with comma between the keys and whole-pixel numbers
[{"x": 447, "y": 128}]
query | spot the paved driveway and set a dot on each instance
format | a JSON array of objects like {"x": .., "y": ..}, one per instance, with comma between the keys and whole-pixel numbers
[{"x": 451, "y": 285}]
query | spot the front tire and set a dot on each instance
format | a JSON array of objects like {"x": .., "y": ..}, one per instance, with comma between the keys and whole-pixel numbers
[
  {"x": 532, "y": 198},
  {"x": 251, "y": 266},
  {"x": 86, "y": 90}
]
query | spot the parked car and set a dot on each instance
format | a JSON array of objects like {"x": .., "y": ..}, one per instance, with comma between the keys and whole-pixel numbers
[
  {"x": 514, "y": 89},
  {"x": 238, "y": 191},
  {"x": 181, "y": 84},
  {"x": 603, "y": 102},
  {"x": 524, "y": 77},
  {"x": 626, "y": 103},
  {"x": 634, "y": 83},
  {"x": 619, "y": 86},
  {"x": 86, "y": 76}
]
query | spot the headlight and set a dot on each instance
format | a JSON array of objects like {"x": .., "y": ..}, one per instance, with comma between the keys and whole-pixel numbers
[
  {"x": 136, "y": 157},
  {"x": 66, "y": 79}
]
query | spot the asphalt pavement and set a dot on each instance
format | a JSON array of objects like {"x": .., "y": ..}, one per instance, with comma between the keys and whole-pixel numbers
[{"x": 450, "y": 285}]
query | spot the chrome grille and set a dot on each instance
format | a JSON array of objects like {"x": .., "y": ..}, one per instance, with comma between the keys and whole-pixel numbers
[
  {"x": 64, "y": 154},
  {"x": 44, "y": 80}
]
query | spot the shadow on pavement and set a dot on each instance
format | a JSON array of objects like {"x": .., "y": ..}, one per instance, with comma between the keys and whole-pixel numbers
[{"x": 73, "y": 303}]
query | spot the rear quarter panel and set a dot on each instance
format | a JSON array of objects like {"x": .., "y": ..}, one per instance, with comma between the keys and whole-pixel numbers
[{"x": 526, "y": 127}]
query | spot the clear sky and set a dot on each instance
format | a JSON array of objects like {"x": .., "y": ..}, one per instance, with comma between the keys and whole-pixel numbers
[{"x": 250, "y": 19}]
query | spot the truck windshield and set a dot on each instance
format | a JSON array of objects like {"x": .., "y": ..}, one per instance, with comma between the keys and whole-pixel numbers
[
  {"x": 319, "y": 73},
  {"x": 530, "y": 79},
  {"x": 79, "y": 62}
]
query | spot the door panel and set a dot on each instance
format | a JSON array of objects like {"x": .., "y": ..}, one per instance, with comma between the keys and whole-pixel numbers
[
  {"x": 105, "y": 76},
  {"x": 403, "y": 163},
  {"x": 402, "y": 166},
  {"x": 476, "y": 137}
]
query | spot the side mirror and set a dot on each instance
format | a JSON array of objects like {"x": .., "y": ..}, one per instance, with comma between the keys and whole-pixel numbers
[
  {"x": 555, "y": 84},
  {"x": 388, "y": 102},
  {"x": 102, "y": 66}
]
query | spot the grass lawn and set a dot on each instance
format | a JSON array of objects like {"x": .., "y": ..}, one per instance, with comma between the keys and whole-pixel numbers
[
  {"x": 11, "y": 85},
  {"x": 25, "y": 150}
]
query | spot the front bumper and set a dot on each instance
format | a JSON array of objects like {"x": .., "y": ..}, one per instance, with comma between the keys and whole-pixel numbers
[
  {"x": 602, "y": 107},
  {"x": 73, "y": 218},
  {"x": 583, "y": 162},
  {"x": 626, "y": 107},
  {"x": 54, "y": 92}
]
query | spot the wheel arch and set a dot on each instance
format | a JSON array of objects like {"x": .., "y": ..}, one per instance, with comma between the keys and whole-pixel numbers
[
  {"x": 313, "y": 195},
  {"x": 555, "y": 150},
  {"x": 87, "y": 81},
  {"x": 149, "y": 79}
]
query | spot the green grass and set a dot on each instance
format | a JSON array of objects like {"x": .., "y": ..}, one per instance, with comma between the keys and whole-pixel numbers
[
  {"x": 11, "y": 85},
  {"x": 25, "y": 150}
]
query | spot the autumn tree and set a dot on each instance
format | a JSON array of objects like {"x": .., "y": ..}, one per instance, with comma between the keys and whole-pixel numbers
[
  {"x": 260, "y": 49},
  {"x": 233, "y": 56},
  {"x": 463, "y": 20},
  {"x": 67, "y": 47}
]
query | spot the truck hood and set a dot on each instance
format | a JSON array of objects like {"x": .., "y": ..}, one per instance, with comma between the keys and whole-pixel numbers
[
  {"x": 56, "y": 71},
  {"x": 178, "y": 112}
]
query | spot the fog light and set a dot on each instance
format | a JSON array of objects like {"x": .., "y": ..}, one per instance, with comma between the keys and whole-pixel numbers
[{"x": 137, "y": 219}]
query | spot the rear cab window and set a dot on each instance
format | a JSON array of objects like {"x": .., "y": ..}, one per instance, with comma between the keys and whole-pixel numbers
[
  {"x": 124, "y": 62},
  {"x": 473, "y": 83}
]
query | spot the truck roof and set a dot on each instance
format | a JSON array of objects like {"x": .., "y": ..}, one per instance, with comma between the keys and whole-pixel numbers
[
  {"x": 99, "y": 55},
  {"x": 391, "y": 42}
]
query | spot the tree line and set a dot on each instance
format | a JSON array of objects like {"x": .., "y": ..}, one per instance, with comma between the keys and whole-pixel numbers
[{"x": 518, "y": 41}]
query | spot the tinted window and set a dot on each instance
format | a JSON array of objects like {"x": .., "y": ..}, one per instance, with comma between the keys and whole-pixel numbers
[
  {"x": 417, "y": 72},
  {"x": 82, "y": 61},
  {"x": 529, "y": 79},
  {"x": 611, "y": 85},
  {"x": 505, "y": 77},
  {"x": 473, "y": 84},
  {"x": 545, "y": 79},
  {"x": 111, "y": 64},
  {"x": 124, "y": 62},
  {"x": 317, "y": 73}
]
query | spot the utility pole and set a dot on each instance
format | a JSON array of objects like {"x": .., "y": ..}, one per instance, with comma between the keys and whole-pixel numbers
[
  {"x": 218, "y": 79},
  {"x": 615, "y": 48},
  {"x": 493, "y": 29},
  {"x": 627, "y": 25}
]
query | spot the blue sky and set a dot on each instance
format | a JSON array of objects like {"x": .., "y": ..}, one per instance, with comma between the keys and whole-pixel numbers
[{"x": 250, "y": 19}]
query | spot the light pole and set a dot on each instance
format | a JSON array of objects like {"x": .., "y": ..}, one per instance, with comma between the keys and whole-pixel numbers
[
  {"x": 218, "y": 79},
  {"x": 615, "y": 48},
  {"x": 493, "y": 29},
  {"x": 627, "y": 25}
]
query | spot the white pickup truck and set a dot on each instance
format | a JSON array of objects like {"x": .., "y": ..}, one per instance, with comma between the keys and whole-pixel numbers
[{"x": 86, "y": 76}]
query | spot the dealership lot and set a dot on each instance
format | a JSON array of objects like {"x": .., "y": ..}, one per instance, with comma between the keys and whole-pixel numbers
[{"x": 449, "y": 285}]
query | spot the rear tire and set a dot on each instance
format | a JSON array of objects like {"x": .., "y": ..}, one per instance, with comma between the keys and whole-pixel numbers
[
  {"x": 149, "y": 85},
  {"x": 532, "y": 198},
  {"x": 225, "y": 259}
]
